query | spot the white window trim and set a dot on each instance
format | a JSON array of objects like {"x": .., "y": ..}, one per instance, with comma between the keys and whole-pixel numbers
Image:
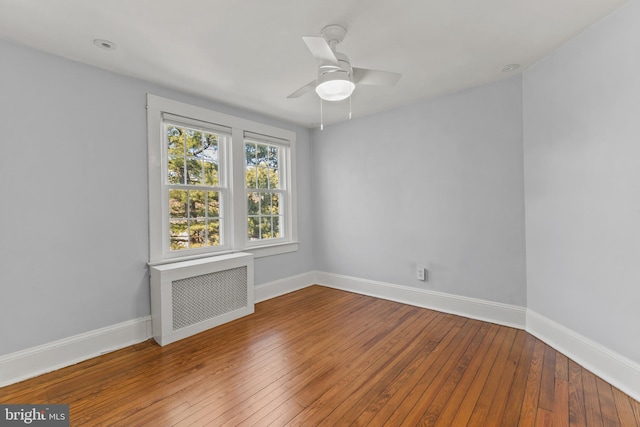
[{"x": 237, "y": 240}]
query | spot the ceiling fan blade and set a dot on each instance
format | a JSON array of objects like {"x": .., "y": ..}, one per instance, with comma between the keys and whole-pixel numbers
[
  {"x": 304, "y": 89},
  {"x": 365, "y": 76},
  {"x": 320, "y": 49}
]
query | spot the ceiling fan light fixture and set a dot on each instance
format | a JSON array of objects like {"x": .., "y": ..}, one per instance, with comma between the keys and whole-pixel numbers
[{"x": 334, "y": 86}]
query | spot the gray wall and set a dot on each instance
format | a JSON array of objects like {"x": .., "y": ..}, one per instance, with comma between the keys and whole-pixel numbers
[
  {"x": 582, "y": 175},
  {"x": 73, "y": 182},
  {"x": 438, "y": 183}
]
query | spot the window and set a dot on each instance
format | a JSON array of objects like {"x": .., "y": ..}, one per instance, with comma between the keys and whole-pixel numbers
[
  {"x": 265, "y": 194},
  {"x": 196, "y": 188},
  {"x": 217, "y": 184}
]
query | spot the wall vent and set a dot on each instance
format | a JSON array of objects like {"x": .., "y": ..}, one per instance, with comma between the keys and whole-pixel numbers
[{"x": 189, "y": 297}]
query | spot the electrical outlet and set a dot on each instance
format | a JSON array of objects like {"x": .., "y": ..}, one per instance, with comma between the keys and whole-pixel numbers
[{"x": 422, "y": 273}]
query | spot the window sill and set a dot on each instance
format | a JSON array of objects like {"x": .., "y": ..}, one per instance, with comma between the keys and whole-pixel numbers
[
  {"x": 257, "y": 251},
  {"x": 277, "y": 249}
]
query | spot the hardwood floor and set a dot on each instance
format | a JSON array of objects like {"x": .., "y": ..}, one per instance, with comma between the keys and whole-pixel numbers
[{"x": 324, "y": 357}]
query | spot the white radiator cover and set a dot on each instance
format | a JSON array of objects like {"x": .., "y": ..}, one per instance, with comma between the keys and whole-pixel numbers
[{"x": 189, "y": 297}]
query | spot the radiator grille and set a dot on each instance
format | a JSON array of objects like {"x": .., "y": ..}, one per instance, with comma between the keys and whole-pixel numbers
[
  {"x": 191, "y": 296},
  {"x": 199, "y": 298}
]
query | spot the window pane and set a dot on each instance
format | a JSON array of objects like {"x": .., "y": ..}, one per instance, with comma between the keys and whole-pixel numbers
[
  {"x": 213, "y": 233},
  {"x": 253, "y": 203},
  {"x": 178, "y": 200},
  {"x": 211, "y": 176},
  {"x": 175, "y": 170},
  {"x": 193, "y": 142},
  {"x": 175, "y": 141},
  {"x": 210, "y": 159},
  {"x": 262, "y": 154},
  {"x": 175, "y": 155},
  {"x": 197, "y": 204},
  {"x": 275, "y": 203},
  {"x": 265, "y": 203},
  {"x": 277, "y": 220},
  {"x": 250, "y": 176},
  {"x": 210, "y": 147},
  {"x": 197, "y": 233},
  {"x": 194, "y": 171},
  {"x": 274, "y": 178},
  {"x": 213, "y": 200},
  {"x": 179, "y": 236},
  {"x": 263, "y": 176},
  {"x": 250, "y": 154},
  {"x": 273, "y": 157},
  {"x": 253, "y": 228},
  {"x": 265, "y": 228},
  {"x": 274, "y": 169}
]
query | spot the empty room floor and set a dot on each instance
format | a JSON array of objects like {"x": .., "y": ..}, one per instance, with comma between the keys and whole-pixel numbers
[{"x": 321, "y": 356}]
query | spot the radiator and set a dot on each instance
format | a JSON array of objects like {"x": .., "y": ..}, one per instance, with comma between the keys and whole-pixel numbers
[{"x": 189, "y": 297}]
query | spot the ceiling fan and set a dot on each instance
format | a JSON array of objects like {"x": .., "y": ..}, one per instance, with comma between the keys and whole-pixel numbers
[{"x": 336, "y": 78}]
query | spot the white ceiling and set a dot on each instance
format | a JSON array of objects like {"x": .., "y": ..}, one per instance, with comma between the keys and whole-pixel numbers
[{"x": 250, "y": 54}]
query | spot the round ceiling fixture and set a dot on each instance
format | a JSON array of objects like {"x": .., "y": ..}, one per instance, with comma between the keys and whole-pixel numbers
[
  {"x": 510, "y": 67},
  {"x": 334, "y": 86},
  {"x": 105, "y": 44}
]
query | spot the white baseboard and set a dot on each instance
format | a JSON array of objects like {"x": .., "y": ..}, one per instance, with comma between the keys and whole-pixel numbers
[
  {"x": 494, "y": 312},
  {"x": 25, "y": 364},
  {"x": 48, "y": 357},
  {"x": 276, "y": 288},
  {"x": 608, "y": 365}
]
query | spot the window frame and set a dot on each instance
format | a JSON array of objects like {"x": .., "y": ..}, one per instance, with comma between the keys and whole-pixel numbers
[
  {"x": 235, "y": 209},
  {"x": 283, "y": 165}
]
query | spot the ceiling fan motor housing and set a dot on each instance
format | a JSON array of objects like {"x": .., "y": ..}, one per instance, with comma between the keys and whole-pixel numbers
[{"x": 343, "y": 65}]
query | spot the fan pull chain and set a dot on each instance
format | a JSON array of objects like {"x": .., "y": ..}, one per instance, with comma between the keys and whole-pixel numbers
[{"x": 321, "y": 121}]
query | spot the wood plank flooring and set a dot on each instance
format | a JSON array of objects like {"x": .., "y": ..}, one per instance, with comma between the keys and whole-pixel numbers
[{"x": 323, "y": 357}]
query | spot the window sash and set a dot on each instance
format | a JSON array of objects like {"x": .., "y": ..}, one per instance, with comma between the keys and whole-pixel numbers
[
  {"x": 201, "y": 223},
  {"x": 260, "y": 215},
  {"x": 204, "y": 227}
]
